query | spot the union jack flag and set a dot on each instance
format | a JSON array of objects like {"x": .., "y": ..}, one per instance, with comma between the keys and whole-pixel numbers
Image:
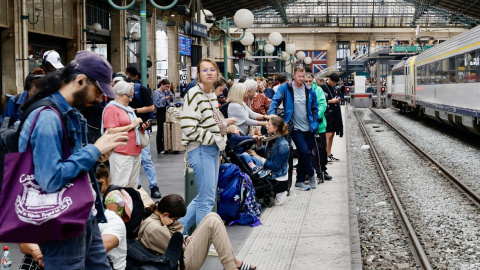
[{"x": 319, "y": 60}]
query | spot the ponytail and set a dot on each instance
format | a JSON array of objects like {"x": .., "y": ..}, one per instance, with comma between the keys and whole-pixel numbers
[{"x": 279, "y": 123}]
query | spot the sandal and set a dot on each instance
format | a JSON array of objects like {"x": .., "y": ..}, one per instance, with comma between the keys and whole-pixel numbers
[{"x": 246, "y": 266}]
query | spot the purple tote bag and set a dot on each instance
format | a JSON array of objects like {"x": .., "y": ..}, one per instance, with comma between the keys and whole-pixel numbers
[{"x": 31, "y": 215}]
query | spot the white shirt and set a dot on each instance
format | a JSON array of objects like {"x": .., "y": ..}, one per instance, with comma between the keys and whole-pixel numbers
[{"x": 116, "y": 227}]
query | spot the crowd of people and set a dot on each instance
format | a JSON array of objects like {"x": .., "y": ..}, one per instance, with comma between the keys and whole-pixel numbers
[{"x": 107, "y": 117}]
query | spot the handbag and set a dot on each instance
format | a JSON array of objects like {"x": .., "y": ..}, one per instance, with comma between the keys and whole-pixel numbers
[
  {"x": 30, "y": 214},
  {"x": 144, "y": 139}
]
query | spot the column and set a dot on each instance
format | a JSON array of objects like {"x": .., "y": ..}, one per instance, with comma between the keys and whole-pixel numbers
[
  {"x": 118, "y": 58},
  {"x": 173, "y": 56}
]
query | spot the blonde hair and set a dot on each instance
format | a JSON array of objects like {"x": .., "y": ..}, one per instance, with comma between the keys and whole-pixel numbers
[
  {"x": 231, "y": 129},
  {"x": 123, "y": 88},
  {"x": 237, "y": 93}
]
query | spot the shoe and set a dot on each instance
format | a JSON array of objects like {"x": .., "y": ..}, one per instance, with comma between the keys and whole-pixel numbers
[
  {"x": 139, "y": 186},
  {"x": 326, "y": 176},
  {"x": 264, "y": 173},
  {"x": 160, "y": 152},
  {"x": 331, "y": 158},
  {"x": 280, "y": 197},
  {"x": 155, "y": 193},
  {"x": 256, "y": 169},
  {"x": 302, "y": 186},
  {"x": 312, "y": 182},
  {"x": 212, "y": 251}
]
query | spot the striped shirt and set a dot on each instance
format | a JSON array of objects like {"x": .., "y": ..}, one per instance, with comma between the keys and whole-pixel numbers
[{"x": 197, "y": 122}]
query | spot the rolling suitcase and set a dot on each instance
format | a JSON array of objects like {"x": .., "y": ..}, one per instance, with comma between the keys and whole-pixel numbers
[{"x": 172, "y": 137}]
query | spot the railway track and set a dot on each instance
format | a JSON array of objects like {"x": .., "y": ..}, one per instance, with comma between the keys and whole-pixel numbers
[{"x": 418, "y": 244}]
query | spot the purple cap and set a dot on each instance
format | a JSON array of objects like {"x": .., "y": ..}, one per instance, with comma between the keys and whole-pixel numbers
[{"x": 96, "y": 67}]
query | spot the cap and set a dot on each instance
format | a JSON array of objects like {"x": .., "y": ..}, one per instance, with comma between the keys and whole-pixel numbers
[
  {"x": 221, "y": 96},
  {"x": 334, "y": 77},
  {"x": 95, "y": 67},
  {"x": 119, "y": 78},
  {"x": 53, "y": 58}
]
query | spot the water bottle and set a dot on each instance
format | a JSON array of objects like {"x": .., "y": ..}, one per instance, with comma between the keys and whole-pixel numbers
[{"x": 6, "y": 260}]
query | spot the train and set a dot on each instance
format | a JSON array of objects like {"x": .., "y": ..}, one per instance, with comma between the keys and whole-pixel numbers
[{"x": 442, "y": 83}]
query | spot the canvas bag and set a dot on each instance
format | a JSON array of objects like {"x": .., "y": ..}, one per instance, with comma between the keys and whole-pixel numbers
[{"x": 29, "y": 214}]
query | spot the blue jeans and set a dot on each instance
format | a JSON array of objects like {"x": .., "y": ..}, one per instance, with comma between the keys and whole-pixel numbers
[
  {"x": 304, "y": 141},
  {"x": 148, "y": 166},
  {"x": 82, "y": 252},
  {"x": 246, "y": 158},
  {"x": 204, "y": 161}
]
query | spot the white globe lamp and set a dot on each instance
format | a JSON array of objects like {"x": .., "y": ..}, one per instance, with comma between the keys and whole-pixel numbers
[
  {"x": 247, "y": 39},
  {"x": 275, "y": 38},
  {"x": 307, "y": 60},
  {"x": 301, "y": 55},
  {"x": 202, "y": 18},
  {"x": 285, "y": 56},
  {"x": 269, "y": 49},
  {"x": 243, "y": 18},
  {"x": 290, "y": 48},
  {"x": 135, "y": 36},
  {"x": 96, "y": 27},
  {"x": 260, "y": 47}
]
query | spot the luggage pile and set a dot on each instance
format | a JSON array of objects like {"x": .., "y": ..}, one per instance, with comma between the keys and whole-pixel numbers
[{"x": 172, "y": 132}]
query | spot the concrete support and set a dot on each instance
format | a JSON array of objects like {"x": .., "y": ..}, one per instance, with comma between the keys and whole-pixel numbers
[
  {"x": 152, "y": 48},
  {"x": 173, "y": 56},
  {"x": 78, "y": 25},
  {"x": 117, "y": 41}
]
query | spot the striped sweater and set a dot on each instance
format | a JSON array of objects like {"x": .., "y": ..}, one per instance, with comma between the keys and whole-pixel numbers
[{"x": 197, "y": 122}]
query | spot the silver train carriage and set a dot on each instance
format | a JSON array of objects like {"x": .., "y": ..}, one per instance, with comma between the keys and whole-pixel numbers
[{"x": 443, "y": 83}]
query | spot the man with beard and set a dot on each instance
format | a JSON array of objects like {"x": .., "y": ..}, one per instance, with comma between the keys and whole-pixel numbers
[{"x": 78, "y": 85}]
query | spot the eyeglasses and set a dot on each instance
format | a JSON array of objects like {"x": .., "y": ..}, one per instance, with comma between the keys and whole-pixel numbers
[
  {"x": 129, "y": 96},
  {"x": 98, "y": 90},
  {"x": 212, "y": 70},
  {"x": 308, "y": 81}
]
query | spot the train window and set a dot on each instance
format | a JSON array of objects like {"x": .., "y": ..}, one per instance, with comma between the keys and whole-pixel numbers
[
  {"x": 452, "y": 70},
  {"x": 420, "y": 75},
  {"x": 461, "y": 68},
  {"x": 444, "y": 71},
  {"x": 431, "y": 73},
  {"x": 472, "y": 61},
  {"x": 478, "y": 65}
]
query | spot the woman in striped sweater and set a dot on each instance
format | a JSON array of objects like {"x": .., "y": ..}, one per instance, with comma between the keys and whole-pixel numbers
[{"x": 203, "y": 134}]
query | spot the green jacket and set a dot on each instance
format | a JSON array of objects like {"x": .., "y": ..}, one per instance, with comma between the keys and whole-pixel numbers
[{"x": 322, "y": 107}]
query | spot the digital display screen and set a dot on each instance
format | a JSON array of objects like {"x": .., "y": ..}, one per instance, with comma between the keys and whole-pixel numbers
[{"x": 185, "y": 45}]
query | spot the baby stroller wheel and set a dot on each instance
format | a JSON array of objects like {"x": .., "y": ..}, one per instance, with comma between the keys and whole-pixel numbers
[{"x": 268, "y": 200}]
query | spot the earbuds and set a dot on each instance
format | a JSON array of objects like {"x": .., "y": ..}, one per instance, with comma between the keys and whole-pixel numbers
[{"x": 80, "y": 82}]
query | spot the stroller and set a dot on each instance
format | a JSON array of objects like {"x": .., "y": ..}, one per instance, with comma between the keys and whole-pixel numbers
[{"x": 263, "y": 187}]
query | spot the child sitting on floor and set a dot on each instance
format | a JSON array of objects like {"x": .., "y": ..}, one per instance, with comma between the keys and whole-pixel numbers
[{"x": 234, "y": 138}]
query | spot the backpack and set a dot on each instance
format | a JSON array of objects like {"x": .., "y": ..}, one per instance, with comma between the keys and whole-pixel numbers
[
  {"x": 9, "y": 135},
  {"x": 236, "y": 201},
  {"x": 137, "y": 94},
  {"x": 137, "y": 211},
  {"x": 224, "y": 109}
]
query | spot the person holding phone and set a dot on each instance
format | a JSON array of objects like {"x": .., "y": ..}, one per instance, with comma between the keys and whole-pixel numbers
[
  {"x": 333, "y": 115},
  {"x": 117, "y": 116}
]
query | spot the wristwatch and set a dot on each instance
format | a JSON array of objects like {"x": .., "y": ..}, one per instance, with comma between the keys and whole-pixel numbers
[{"x": 135, "y": 111}]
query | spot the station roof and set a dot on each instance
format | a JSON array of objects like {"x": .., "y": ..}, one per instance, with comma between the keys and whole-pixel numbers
[{"x": 351, "y": 13}]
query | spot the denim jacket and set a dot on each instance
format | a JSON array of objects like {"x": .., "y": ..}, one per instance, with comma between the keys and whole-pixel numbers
[
  {"x": 52, "y": 169},
  {"x": 277, "y": 160}
]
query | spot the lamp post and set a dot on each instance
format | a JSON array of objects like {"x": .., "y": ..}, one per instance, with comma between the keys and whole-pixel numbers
[
  {"x": 95, "y": 28},
  {"x": 143, "y": 30},
  {"x": 243, "y": 19},
  {"x": 248, "y": 40}
]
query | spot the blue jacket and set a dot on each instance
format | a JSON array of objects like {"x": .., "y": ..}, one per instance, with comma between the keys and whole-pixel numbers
[
  {"x": 52, "y": 170},
  {"x": 13, "y": 108},
  {"x": 286, "y": 91},
  {"x": 277, "y": 159},
  {"x": 234, "y": 139}
]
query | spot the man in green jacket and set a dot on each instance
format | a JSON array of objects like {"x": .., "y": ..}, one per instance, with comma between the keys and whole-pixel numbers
[{"x": 319, "y": 153}]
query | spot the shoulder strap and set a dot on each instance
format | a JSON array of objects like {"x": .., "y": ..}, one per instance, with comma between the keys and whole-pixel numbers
[{"x": 137, "y": 92}]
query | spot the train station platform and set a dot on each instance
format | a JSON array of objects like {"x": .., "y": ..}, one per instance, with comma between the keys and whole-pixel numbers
[{"x": 310, "y": 231}]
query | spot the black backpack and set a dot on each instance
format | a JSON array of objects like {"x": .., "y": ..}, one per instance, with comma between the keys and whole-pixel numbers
[
  {"x": 137, "y": 212},
  {"x": 9, "y": 135},
  {"x": 224, "y": 109}
]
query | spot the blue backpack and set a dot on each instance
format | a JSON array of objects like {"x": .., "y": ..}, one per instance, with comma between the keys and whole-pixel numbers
[{"x": 236, "y": 201}]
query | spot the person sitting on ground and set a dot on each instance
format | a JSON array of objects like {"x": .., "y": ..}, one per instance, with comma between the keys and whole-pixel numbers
[
  {"x": 234, "y": 138},
  {"x": 156, "y": 231},
  {"x": 114, "y": 238},
  {"x": 274, "y": 155},
  {"x": 240, "y": 111}
]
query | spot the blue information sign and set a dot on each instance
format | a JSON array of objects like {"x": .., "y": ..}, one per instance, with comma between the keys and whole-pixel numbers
[
  {"x": 185, "y": 45},
  {"x": 199, "y": 30}
]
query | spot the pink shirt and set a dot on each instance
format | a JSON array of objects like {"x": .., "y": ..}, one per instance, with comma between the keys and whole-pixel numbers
[{"x": 115, "y": 117}]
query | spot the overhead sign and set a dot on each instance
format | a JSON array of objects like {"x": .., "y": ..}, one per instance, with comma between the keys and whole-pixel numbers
[{"x": 199, "y": 30}]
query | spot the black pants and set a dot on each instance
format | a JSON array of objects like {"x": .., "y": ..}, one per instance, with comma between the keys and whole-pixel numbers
[
  {"x": 319, "y": 153},
  {"x": 161, "y": 117},
  {"x": 279, "y": 186}
]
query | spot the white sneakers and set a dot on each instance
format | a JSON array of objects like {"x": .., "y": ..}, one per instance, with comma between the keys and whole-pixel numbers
[{"x": 280, "y": 197}]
